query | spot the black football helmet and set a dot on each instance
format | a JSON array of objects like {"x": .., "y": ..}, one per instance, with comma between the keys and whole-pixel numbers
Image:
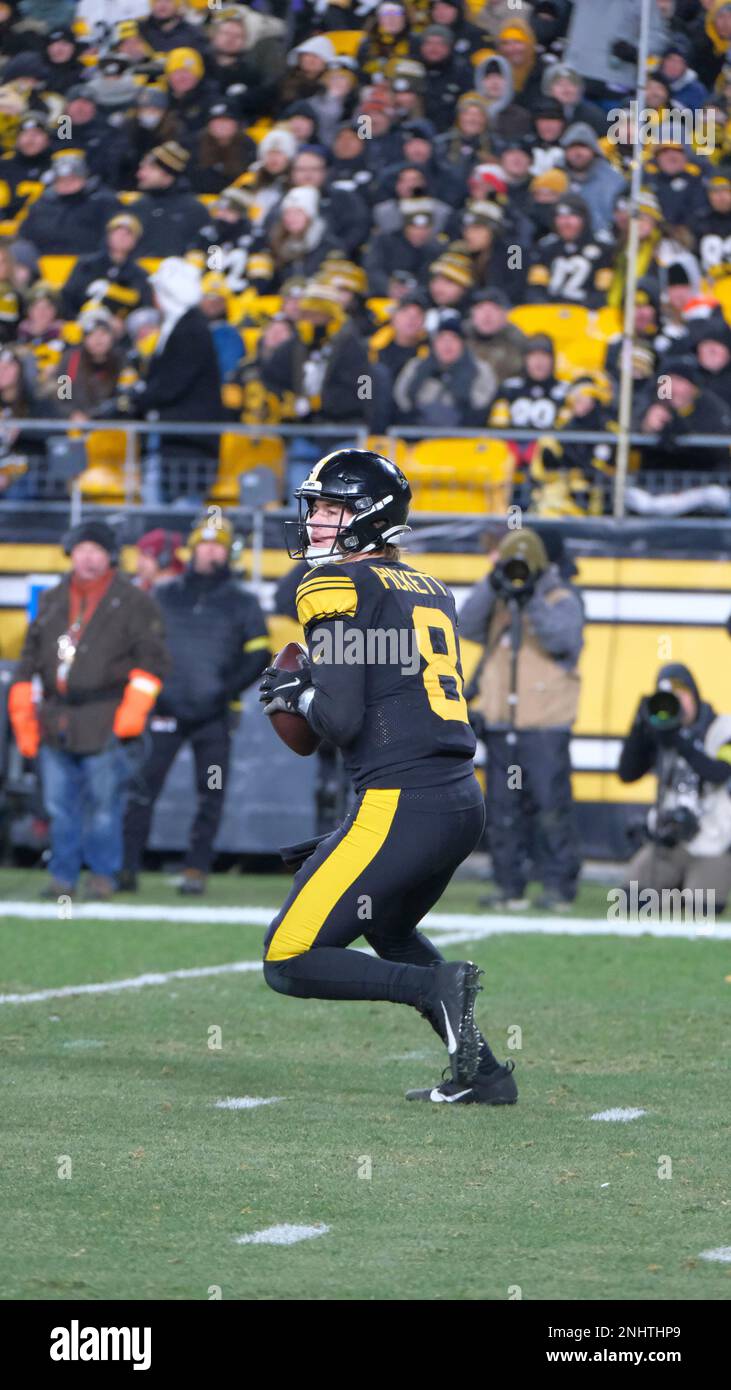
[{"x": 370, "y": 486}]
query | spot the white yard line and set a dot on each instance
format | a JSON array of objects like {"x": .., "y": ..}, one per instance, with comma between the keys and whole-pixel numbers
[
  {"x": 39, "y": 996},
  {"x": 618, "y": 1112},
  {"x": 245, "y": 1102},
  {"x": 282, "y": 1235}
]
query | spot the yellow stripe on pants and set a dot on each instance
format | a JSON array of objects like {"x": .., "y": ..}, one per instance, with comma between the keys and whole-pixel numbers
[{"x": 316, "y": 900}]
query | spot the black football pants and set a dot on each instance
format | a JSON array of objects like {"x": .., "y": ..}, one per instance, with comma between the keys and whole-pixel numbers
[
  {"x": 210, "y": 743},
  {"x": 376, "y": 877}
]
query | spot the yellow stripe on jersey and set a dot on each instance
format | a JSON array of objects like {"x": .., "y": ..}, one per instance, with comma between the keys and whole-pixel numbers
[
  {"x": 333, "y": 598},
  {"x": 256, "y": 644},
  {"x": 349, "y": 859}
]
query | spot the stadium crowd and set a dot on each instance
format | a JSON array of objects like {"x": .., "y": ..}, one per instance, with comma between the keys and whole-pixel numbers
[{"x": 367, "y": 216}]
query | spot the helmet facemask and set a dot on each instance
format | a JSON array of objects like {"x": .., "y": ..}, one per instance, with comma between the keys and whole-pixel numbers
[{"x": 356, "y": 535}]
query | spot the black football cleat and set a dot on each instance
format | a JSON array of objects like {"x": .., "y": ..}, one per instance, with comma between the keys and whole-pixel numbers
[
  {"x": 454, "y": 991},
  {"x": 496, "y": 1088}
]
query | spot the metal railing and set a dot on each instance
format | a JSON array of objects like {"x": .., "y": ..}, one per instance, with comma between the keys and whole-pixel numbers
[{"x": 57, "y": 475}]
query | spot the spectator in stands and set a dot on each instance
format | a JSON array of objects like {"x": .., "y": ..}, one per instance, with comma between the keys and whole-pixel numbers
[
  {"x": 246, "y": 59},
  {"x": 412, "y": 249},
  {"x": 713, "y": 226},
  {"x": 468, "y": 37},
  {"x": 489, "y": 251},
  {"x": 345, "y": 213},
  {"x": 299, "y": 239},
  {"x": 689, "y": 827},
  {"x": 505, "y": 117},
  {"x": 517, "y": 44},
  {"x": 169, "y": 214},
  {"x": 227, "y": 341},
  {"x": 29, "y": 162},
  {"x": 545, "y": 191},
  {"x": 97, "y": 648},
  {"x": 449, "y": 387},
  {"x": 491, "y": 338},
  {"x": 63, "y": 59},
  {"x": 447, "y": 74},
  {"x": 676, "y": 178},
  {"x": 529, "y": 622},
  {"x": 40, "y": 332},
  {"x": 222, "y": 152},
  {"x": 468, "y": 141},
  {"x": 217, "y": 639},
  {"x": 113, "y": 86},
  {"x": 681, "y": 406},
  {"x": 89, "y": 371},
  {"x": 166, "y": 28},
  {"x": 571, "y": 478},
  {"x": 230, "y": 244},
  {"x": 116, "y": 264},
  {"x": 70, "y": 217},
  {"x": 591, "y": 176},
  {"x": 532, "y": 399},
  {"x": 183, "y": 384},
  {"x": 308, "y": 64},
  {"x": 10, "y": 295},
  {"x": 22, "y": 452},
  {"x": 150, "y": 123},
  {"x": 191, "y": 92},
  {"x": 157, "y": 558},
  {"x": 710, "y": 36},
  {"x": 712, "y": 340},
  {"x": 571, "y": 265},
  {"x": 266, "y": 182},
  {"x": 567, "y": 88},
  {"x": 686, "y": 89},
  {"x": 386, "y": 39},
  {"x": 402, "y": 336},
  {"x": 91, "y": 133},
  {"x": 400, "y": 185},
  {"x": 550, "y": 124},
  {"x": 419, "y": 150}
]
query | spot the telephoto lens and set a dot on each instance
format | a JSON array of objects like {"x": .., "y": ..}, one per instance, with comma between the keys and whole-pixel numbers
[
  {"x": 664, "y": 711},
  {"x": 517, "y": 573}
]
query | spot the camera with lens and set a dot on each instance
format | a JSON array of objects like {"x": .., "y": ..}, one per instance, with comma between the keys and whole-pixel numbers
[
  {"x": 663, "y": 712},
  {"x": 513, "y": 579},
  {"x": 673, "y": 826}
]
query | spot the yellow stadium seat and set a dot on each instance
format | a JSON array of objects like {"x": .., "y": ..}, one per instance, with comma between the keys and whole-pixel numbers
[
  {"x": 607, "y": 322},
  {"x": 346, "y": 42},
  {"x": 259, "y": 129},
  {"x": 722, "y": 291},
  {"x": 106, "y": 448},
  {"x": 56, "y": 269},
  {"x": 479, "y": 468},
  {"x": 239, "y": 453},
  {"x": 446, "y": 499},
  {"x": 102, "y": 483},
  {"x": 580, "y": 355},
  {"x": 560, "y": 321},
  {"x": 395, "y": 449}
]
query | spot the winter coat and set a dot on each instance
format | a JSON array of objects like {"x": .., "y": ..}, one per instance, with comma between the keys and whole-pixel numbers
[
  {"x": 73, "y": 225},
  {"x": 91, "y": 275},
  {"x": 170, "y": 218},
  {"x": 216, "y": 635},
  {"x": 124, "y": 634},
  {"x": 390, "y": 251},
  {"x": 551, "y": 637},
  {"x": 599, "y": 186},
  {"x": 183, "y": 381},
  {"x": 428, "y": 393}
]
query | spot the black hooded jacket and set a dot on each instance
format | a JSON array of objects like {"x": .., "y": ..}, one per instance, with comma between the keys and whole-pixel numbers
[{"x": 642, "y": 748}]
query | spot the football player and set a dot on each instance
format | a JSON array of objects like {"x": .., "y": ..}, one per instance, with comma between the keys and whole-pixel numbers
[{"x": 383, "y": 683}]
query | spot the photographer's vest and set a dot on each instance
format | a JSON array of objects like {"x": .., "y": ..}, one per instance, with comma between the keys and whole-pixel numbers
[
  {"x": 548, "y": 694},
  {"x": 711, "y": 804}
]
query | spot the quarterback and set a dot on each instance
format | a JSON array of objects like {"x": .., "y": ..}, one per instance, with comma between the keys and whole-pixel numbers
[{"x": 408, "y": 748}]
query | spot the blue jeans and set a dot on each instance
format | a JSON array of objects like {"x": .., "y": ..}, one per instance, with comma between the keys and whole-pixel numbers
[{"x": 85, "y": 795}]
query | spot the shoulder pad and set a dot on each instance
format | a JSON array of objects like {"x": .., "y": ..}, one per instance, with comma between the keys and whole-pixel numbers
[{"x": 326, "y": 593}]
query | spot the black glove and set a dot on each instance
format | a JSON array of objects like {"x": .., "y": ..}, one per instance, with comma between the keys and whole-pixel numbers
[
  {"x": 625, "y": 51},
  {"x": 281, "y": 690}
]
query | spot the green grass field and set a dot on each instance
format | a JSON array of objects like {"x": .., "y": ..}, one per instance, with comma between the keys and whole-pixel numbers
[{"x": 119, "y": 1088}]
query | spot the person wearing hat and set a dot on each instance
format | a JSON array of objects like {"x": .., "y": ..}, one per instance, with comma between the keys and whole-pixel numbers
[
  {"x": 482, "y": 232},
  {"x": 267, "y": 180},
  {"x": 344, "y": 211},
  {"x": 545, "y": 191},
  {"x": 490, "y": 335},
  {"x": 28, "y": 163},
  {"x": 402, "y": 184},
  {"x": 677, "y": 180},
  {"x": 571, "y": 265},
  {"x": 650, "y": 242},
  {"x": 591, "y": 176},
  {"x": 450, "y": 283},
  {"x": 395, "y": 342},
  {"x": 468, "y": 141},
  {"x": 23, "y": 460},
  {"x": 101, "y": 143},
  {"x": 97, "y": 650},
  {"x": 241, "y": 254},
  {"x": 573, "y": 478},
  {"x": 712, "y": 341},
  {"x": 222, "y": 152},
  {"x": 298, "y": 237},
  {"x": 216, "y": 635},
  {"x": 114, "y": 85},
  {"x": 709, "y": 36},
  {"x": 183, "y": 384},
  {"x": 686, "y": 88},
  {"x": 151, "y": 123},
  {"x": 517, "y": 44},
  {"x": 165, "y": 27},
  {"x": 533, "y": 397},
  {"x": 41, "y": 331},
  {"x": 308, "y": 67},
  {"x": 349, "y": 164},
  {"x": 411, "y": 249},
  {"x": 170, "y": 215},
  {"x": 157, "y": 558},
  {"x": 493, "y": 81},
  {"x": 713, "y": 227},
  {"x": 246, "y": 59},
  {"x": 419, "y": 150},
  {"x": 91, "y": 368},
  {"x": 70, "y": 216},
  {"x": 228, "y": 342},
  {"x": 386, "y": 40},
  {"x": 116, "y": 264},
  {"x": 549, "y": 123},
  {"x": 647, "y": 327},
  {"x": 405, "y": 79},
  {"x": 680, "y": 406},
  {"x": 449, "y": 388},
  {"x": 468, "y": 37},
  {"x": 191, "y": 92},
  {"x": 446, "y": 74},
  {"x": 529, "y": 621}
]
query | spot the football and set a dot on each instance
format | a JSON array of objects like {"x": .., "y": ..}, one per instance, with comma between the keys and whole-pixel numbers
[{"x": 293, "y": 729}]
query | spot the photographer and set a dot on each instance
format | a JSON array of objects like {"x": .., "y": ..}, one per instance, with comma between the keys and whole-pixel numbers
[
  {"x": 530, "y": 621},
  {"x": 687, "y": 745}
]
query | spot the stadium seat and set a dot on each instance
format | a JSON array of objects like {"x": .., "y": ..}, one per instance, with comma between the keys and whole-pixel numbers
[
  {"x": 56, "y": 269},
  {"x": 722, "y": 291},
  {"x": 396, "y": 449},
  {"x": 607, "y": 322},
  {"x": 452, "y": 471},
  {"x": 104, "y": 479},
  {"x": 580, "y": 355},
  {"x": 345, "y": 41},
  {"x": 238, "y": 454},
  {"x": 560, "y": 321}
]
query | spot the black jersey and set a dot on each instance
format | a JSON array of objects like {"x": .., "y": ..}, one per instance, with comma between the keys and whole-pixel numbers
[{"x": 387, "y": 674}]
